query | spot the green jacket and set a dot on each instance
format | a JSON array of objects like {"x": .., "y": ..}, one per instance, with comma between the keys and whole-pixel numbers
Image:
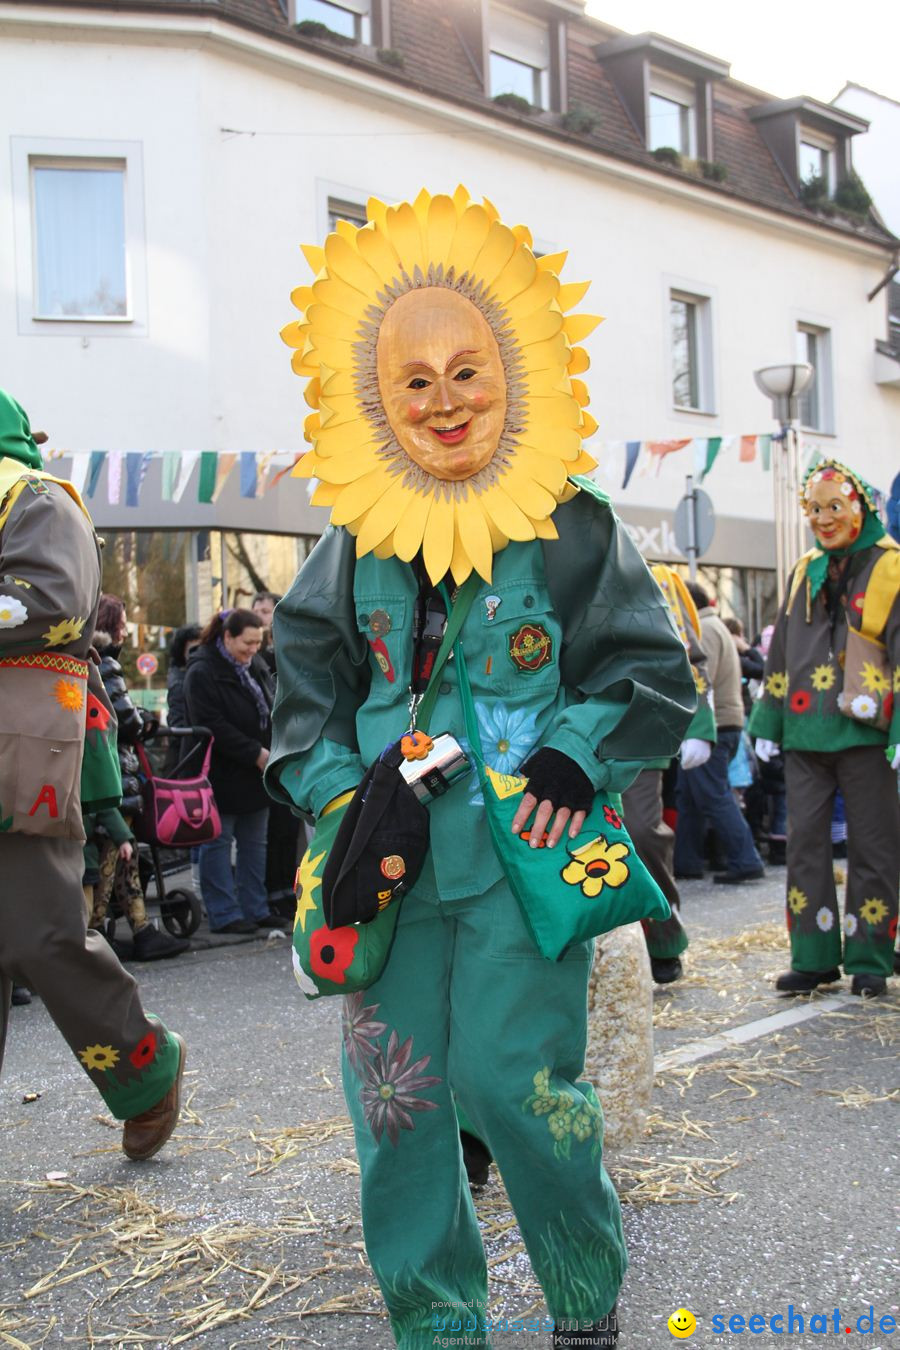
[{"x": 570, "y": 646}]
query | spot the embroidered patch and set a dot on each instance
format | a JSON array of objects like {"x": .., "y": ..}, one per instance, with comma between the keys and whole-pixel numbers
[
  {"x": 46, "y": 797},
  {"x": 67, "y": 630},
  {"x": 12, "y": 612},
  {"x": 69, "y": 695},
  {"x": 37, "y": 485},
  {"x": 380, "y": 652},
  {"x": 55, "y": 661},
  {"x": 530, "y": 647},
  {"x": 380, "y": 622}
]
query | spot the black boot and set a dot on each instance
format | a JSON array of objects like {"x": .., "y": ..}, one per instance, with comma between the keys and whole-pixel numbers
[
  {"x": 477, "y": 1158},
  {"x": 777, "y": 852},
  {"x": 868, "y": 986},
  {"x": 666, "y": 970},
  {"x": 152, "y": 945},
  {"x": 20, "y": 996},
  {"x": 589, "y": 1335},
  {"x": 805, "y": 981}
]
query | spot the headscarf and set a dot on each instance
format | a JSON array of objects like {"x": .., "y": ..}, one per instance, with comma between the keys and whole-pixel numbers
[
  {"x": 16, "y": 440},
  {"x": 872, "y": 528}
]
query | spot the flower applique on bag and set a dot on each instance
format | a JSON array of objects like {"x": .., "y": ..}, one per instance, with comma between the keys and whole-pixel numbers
[{"x": 867, "y": 695}]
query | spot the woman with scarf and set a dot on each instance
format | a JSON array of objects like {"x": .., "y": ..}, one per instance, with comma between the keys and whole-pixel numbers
[
  {"x": 828, "y": 700},
  {"x": 228, "y": 693}
]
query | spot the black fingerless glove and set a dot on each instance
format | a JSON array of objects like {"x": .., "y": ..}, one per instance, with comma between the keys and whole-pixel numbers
[{"x": 555, "y": 778}]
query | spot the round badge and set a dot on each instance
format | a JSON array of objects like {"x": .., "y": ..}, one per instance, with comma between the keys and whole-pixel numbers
[
  {"x": 393, "y": 866},
  {"x": 380, "y": 622}
]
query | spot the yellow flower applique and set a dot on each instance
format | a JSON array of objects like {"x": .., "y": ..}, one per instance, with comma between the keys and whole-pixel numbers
[
  {"x": 699, "y": 681},
  {"x": 874, "y": 679},
  {"x": 873, "y": 911},
  {"x": 823, "y": 677},
  {"x": 95, "y": 1057},
  {"x": 777, "y": 684},
  {"x": 796, "y": 899},
  {"x": 597, "y": 864},
  {"x": 67, "y": 630}
]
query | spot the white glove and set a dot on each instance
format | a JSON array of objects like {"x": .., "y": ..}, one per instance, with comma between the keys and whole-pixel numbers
[
  {"x": 895, "y": 751},
  {"x": 766, "y": 750},
  {"x": 694, "y": 753}
]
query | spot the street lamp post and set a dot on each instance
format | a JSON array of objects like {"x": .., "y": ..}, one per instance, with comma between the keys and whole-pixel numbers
[{"x": 785, "y": 385}]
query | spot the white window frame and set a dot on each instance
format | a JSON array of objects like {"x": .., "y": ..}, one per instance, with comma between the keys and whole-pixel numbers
[
  {"x": 703, "y": 298},
  {"x": 826, "y": 145},
  {"x": 527, "y": 41},
  {"x": 360, "y": 9},
  {"x": 821, "y": 396},
  {"x": 63, "y": 152},
  {"x": 679, "y": 91}
]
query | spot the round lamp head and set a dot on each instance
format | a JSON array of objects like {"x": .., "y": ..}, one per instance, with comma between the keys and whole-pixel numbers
[{"x": 784, "y": 385}]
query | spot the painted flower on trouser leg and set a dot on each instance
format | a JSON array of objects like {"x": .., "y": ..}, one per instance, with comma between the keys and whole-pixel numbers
[
  {"x": 360, "y": 1031},
  {"x": 391, "y": 1082}
]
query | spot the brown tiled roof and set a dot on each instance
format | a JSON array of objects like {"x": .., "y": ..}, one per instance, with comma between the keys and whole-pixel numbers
[{"x": 436, "y": 62}]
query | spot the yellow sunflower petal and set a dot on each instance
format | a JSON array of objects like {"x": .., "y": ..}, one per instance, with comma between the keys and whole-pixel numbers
[
  {"x": 470, "y": 236},
  {"x": 441, "y": 228},
  {"x": 529, "y": 496},
  {"x": 378, "y": 251},
  {"x": 333, "y": 351},
  {"x": 579, "y": 361},
  {"x": 346, "y": 469},
  {"x": 409, "y": 531},
  {"x": 506, "y": 515},
  {"x": 491, "y": 209},
  {"x": 523, "y": 235},
  {"x": 314, "y": 255},
  {"x": 438, "y": 542},
  {"x": 360, "y": 496},
  {"x": 494, "y": 253},
  {"x": 312, "y": 393},
  {"x": 329, "y": 322},
  {"x": 538, "y": 327},
  {"x": 385, "y": 549},
  {"x": 376, "y": 212},
  {"x": 295, "y": 335},
  {"x": 580, "y": 393},
  {"x": 461, "y": 197},
  {"x": 538, "y": 296},
  {"x": 421, "y": 204},
  {"x": 336, "y": 382},
  {"x": 402, "y": 228},
  {"x": 460, "y": 562},
  {"x": 588, "y": 425},
  {"x": 383, "y": 518},
  {"x": 518, "y": 274},
  {"x": 563, "y": 443},
  {"x": 325, "y": 494},
  {"x": 547, "y": 415},
  {"x": 339, "y": 411},
  {"x": 585, "y": 463},
  {"x": 572, "y": 293},
  {"x": 301, "y": 296},
  {"x": 549, "y": 355},
  {"x": 547, "y": 470},
  {"x": 579, "y": 326},
  {"x": 302, "y": 365},
  {"x": 337, "y": 294},
  {"x": 346, "y": 229},
  {"x": 475, "y": 535},
  {"x": 553, "y": 262},
  {"x": 343, "y": 261},
  {"x": 545, "y": 529}
]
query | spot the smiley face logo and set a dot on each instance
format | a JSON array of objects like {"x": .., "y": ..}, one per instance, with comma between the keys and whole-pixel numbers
[{"x": 682, "y": 1323}]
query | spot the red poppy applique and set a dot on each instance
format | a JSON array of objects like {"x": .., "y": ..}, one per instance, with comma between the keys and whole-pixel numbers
[
  {"x": 97, "y": 715},
  {"x": 144, "y": 1052},
  {"x": 800, "y": 701},
  {"x": 331, "y": 952},
  {"x": 612, "y": 817}
]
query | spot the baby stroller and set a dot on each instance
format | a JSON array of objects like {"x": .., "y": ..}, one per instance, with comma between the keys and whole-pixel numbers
[{"x": 173, "y": 821}]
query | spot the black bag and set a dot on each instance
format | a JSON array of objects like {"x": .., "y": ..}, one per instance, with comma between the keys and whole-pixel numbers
[{"x": 380, "y": 846}]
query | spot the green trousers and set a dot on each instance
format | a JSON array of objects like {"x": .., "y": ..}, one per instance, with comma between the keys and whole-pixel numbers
[
  {"x": 467, "y": 1009},
  {"x": 864, "y": 943}
]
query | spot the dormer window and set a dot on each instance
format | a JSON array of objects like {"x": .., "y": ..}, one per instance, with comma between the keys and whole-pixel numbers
[
  {"x": 350, "y": 18},
  {"x": 519, "y": 56},
  {"x": 671, "y": 114},
  {"x": 815, "y": 159}
]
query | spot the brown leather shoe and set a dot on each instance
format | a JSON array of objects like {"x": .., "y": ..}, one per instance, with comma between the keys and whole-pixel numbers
[{"x": 145, "y": 1134}]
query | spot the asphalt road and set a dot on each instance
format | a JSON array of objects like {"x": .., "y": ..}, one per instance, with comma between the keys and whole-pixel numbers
[{"x": 768, "y": 1176}]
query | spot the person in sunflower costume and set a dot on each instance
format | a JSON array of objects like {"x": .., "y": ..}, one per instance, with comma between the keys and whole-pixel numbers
[
  {"x": 828, "y": 699},
  {"x": 653, "y": 838},
  {"x": 442, "y": 366},
  {"x": 57, "y": 756}
]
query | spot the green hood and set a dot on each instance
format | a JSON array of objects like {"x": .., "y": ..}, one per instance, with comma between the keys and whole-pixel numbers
[{"x": 16, "y": 440}]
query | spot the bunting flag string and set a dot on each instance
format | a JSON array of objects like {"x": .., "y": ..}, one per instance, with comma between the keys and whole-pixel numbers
[{"x": 260, "y": 471}]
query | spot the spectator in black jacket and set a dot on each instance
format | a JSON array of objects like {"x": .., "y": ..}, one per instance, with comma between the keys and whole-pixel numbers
[
  {"x": 226, "y": 693},
  {"x": 111, "y": 860},
  {"x": 182, "y": 642}
]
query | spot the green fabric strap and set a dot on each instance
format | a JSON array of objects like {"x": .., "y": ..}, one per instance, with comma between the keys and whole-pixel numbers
[{"x": 457, "y": 618}]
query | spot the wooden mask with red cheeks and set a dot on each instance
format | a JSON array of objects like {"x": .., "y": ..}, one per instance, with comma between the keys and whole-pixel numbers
[
  {"x": 442, "y": 382},
  {"x": 833, "y": 508}
]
